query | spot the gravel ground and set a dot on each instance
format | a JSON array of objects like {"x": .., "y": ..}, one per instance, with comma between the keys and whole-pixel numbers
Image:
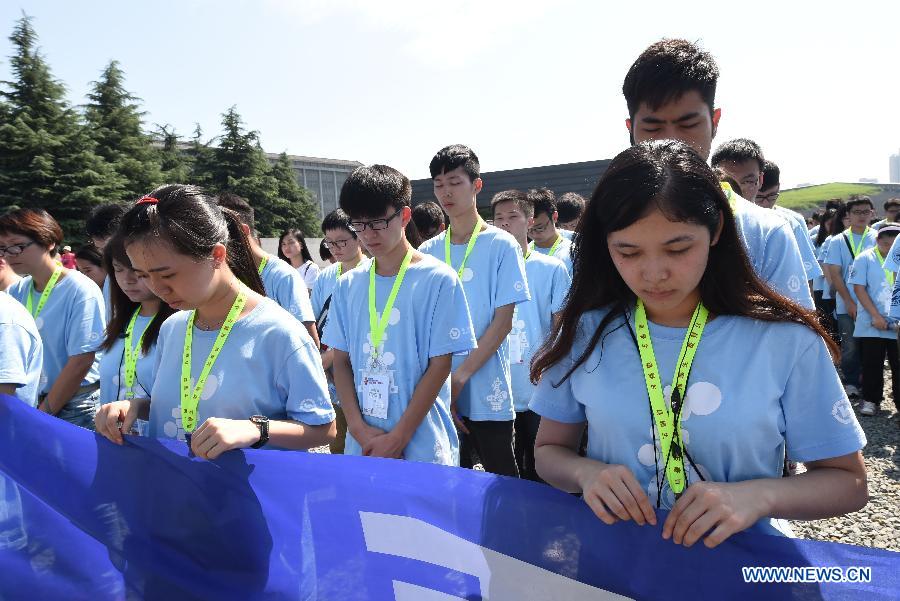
[{"x": 878, "y": 523}]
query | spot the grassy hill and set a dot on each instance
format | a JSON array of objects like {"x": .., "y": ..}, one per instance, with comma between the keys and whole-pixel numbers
[{"x": 811, "y": 196}]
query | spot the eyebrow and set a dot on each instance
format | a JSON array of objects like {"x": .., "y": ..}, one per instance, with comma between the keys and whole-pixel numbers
[
  {"x": 154, "y": 270},
  {"x": 676, "y": 239},
  {"x": 681, "y": 119}
]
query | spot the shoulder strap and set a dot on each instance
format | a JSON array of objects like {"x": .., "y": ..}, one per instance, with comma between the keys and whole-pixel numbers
[
  {"x": 323, "y": 316},
  {"x": 847, "y": 242}
]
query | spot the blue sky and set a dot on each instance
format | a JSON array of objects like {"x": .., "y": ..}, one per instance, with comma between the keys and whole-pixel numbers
[{"x": 524, "y": 83}]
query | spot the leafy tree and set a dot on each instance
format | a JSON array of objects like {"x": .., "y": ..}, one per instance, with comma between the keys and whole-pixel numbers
[
  {"x": 47, "y": 158},
  {"x": 114, "y": 121}
]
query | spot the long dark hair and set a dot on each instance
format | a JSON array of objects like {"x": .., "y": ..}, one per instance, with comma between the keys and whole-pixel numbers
[
  {"x": 824, "y": 228},
  {"x": 304, "y": 250},
  {"x": 838, "y": 226},
  {"x": 122, "y": 307},
  {"x": 669, "y": 176},
  {"x": 193, "y": 223}
]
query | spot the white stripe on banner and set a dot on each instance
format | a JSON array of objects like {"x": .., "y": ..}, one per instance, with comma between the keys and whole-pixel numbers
[{"x": 500, "y": 576}]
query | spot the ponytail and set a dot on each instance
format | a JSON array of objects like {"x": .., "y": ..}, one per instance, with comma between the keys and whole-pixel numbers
[{"x": 239, "y": 254}]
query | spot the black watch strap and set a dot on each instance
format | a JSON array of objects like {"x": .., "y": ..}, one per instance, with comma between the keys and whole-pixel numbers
[{"x": 261, "y": 422}]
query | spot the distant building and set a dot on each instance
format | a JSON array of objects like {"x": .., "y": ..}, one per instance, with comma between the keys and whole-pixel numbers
[
  {"x": 895, "y": 169},
  {"x": 322, "y": 177},
  {"x": 868, "y": 180},
  {"x": 569, "y": 177}
]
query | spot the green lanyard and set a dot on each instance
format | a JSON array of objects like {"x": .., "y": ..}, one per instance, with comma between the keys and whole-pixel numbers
[
  {"x": 553, "y": 248},
  {"x": 469, "y": 246},
  {"x": 190, "y": 399},
  {"x": 887, "y": 272},
  {"x": 732, "y": 197},
  {"x": 340, "y": 271},
  {"x": 528, "y": 250},
  {"x": 377, "y": 326},
  {"x": 262, "y": 265},
  {"x": 45, "y": 295},
  {"x": 131, "y": 354},
  {"x": 854, "y": 247},
  {"x": 668, "y": 419}
]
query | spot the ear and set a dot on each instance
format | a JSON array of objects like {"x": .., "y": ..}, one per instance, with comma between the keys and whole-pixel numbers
[
  {"x": 628, "y": 125},
  {"x": 715, "y": 239},
  {"x": 762, "y": 180},
  {"x": 555, "y": 217},
  {"x": 246, "y": 229},
  {"x": 406, "y": 215},
  {"x": 442, "y": 227},
  {"x": 478, "y": 185},
  {"x": 716, "y": 115},
  {"x": 219, "y": 255}
]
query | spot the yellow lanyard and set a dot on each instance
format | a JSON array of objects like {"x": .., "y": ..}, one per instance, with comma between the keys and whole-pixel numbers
[
  {"x": 190, "y": 399},
  {"x": 854, "y": 247},
  {"x": 377, "y": 326},
  {"x": 553, "y": 248},
  {"x": 262, "y": 265},
  {"x": 668, "y": 420},
  {"x": 131, "y": 354},
  {"x": 888, "y": 274},
  {"x": 469, "y": 246},
  {"x": 340, "y": 270},
  {"x": 45, "y": 295},
  {"x": 732, "y": 197}
]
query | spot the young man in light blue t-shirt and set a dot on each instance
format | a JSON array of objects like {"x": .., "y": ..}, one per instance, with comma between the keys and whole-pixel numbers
[
  {"x": 393, "y": 326},
  {"x": 489, "y": 263},
  {"x": 21, "y": 351},
  {"x": 546, "y": 239},
  {"x": 548, "y": 282},
  {"x": 682, "y": 107},
  {"x": 839, "y": 256}
]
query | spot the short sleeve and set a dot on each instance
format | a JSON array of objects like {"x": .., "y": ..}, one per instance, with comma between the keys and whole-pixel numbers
[
  {"x": 15, "y": 347},
  {"x": 819, "y": 421},
  {"x": 335, "y": 335},
  {"x": 892, "y": 260},
  {"x": 559, "y": 288},
  {"x": 554, "y": 398},
  {"x": 302, "y": 382},
  {"x": 807, "y": 253},
  {"x": 318, "y": 293},
  {"x": 511, "y": 284},
  {"x": 451, "y": 328},
  {"x": 782, "y": 266},
  {"x": 834, "y": 254},
  {"x": 87, "y": 322}
]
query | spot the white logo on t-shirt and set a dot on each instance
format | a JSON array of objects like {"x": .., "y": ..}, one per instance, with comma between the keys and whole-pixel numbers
[{"x": 842, "y": 411}]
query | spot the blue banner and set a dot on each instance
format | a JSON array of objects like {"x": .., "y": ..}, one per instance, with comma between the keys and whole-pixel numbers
[{"x": 81, "y": 518}]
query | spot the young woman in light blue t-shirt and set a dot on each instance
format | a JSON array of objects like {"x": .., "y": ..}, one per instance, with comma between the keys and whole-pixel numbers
[
  {"x": 693, "y": 377},
  {"x": 233, "y": 369},
  {"x": 127, "y": 369}
]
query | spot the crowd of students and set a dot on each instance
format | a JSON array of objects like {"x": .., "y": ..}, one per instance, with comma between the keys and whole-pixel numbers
[{"x": 656, "y": 346}]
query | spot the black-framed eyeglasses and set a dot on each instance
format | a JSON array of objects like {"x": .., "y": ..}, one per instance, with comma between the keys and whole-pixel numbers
[
  {"x": 770, "y": 197},
  {"x": 374, "y": 224},
  {"x": 540, "y": 229},
  {"x": 14, "y": 250},
  {"x": 861, "y": 212},
  {"x": 335, "y": 243}
]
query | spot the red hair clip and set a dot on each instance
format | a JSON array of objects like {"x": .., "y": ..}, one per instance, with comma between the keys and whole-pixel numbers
[{"x": 147, "y": 200}]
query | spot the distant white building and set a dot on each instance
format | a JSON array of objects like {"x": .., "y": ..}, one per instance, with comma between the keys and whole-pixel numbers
[
  {"x": 895, "y": 168},
  {"x": 322, "y": 177}
]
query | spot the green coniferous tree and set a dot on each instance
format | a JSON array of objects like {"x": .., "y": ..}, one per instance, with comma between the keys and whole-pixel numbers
[
  {"x": 114, "y": 122},
  {"x": 294, "y": 206},
  {"x": 47, "y": 158},
  {"x": 176, "y": 163}
]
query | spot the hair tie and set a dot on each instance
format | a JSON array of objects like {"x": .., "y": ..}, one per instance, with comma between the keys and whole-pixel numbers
[{"x": 147, "y": 200}]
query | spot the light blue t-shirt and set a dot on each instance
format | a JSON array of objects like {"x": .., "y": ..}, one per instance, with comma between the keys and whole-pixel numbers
[
  {"x": 744, "y": 409},
  {"x": 107, "y": 304},
  {"x": 820, "y": 283},
  {"x": 772, "y": 249},
  {"x": 548, "y": 282},
  {"x": 112, "y": 367},
  {"x": 322, "y": 291},
  {"x": 814, "y": 231},
  {"x": 801, "y": 235},
  {"x": 892, "y": 260},
  {"x": 72, "y": 323},
  {"x": 430, "y": 318},
  {"x": 563, "y": 252},
  {"x": 567, "y": 234},
  {"x": 285, "y": 286},
  {"x": 21, "y": 350},
  {"x": 494, "y": 277},
  {"x": 867, "y": 271},
  {"x": 838, "y": 253},
  {"x": 269, "y": 366}
]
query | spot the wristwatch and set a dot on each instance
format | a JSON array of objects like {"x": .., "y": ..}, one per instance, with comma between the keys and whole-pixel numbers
[{"x": 261, "y": 422}]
